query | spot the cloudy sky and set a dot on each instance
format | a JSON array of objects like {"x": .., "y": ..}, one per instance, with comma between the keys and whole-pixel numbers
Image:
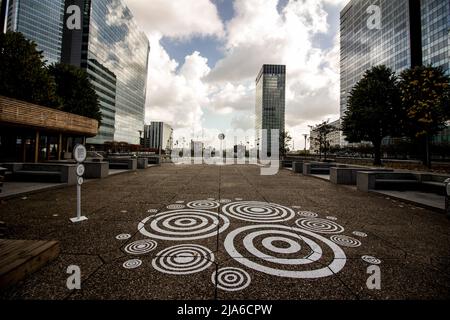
[{"x": 205, "y": 55}]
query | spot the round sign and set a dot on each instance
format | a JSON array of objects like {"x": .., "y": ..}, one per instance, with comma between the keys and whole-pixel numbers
[
  {"x": 221, "y": 136},
  {"x": 80, "y": 180},
  {"x": 79, "y": 153},
  {"x": 80, "y": 170}
]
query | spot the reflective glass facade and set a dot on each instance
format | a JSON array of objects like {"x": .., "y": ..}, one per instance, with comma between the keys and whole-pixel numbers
[
  {"x": 115, "y": 54},
  {"x": 413, "y": 32},
  {"x": 436, "y": 32},
  {"x": 362, "y": 48},
  {"x": 40, "y": 21},
  {"x": 270, "y": 99}
]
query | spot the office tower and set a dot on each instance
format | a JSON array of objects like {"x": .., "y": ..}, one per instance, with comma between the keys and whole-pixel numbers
[
  {"x": 114, "y": 52},
  {"x": 40, "y": 21},
  {"x": 412, "y": 33},
  {"x": 270, "y": 102},
  {"x": 435, "y": 18},
  {"x": 158, "y": 135}
]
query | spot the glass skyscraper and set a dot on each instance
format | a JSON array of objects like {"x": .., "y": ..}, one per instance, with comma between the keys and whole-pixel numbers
[
  {"x": 114, "y": 52},
  {"x": 40, "y": 21},
  {"x": 436, "y": 32},
  {"x": 270, "y": 101},
  {"x": 413, "y": 32}
]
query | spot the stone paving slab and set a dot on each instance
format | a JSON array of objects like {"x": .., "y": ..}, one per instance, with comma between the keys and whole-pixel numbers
[{"x": 226, "y": 232}]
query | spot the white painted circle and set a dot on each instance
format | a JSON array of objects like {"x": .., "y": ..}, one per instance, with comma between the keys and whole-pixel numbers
[
  {"x": 175, "y": 206},
  {"x": 123, "y": 236},
  {"x": 308, "y": 214},
  {"x": 231, "y": 279},
  {"x": 80, "y": 169},
  {"x": 184, "y": 225},
  {"x": 359, "y": 234},
  {"x": 79, "y": 153},
  {"x": 203, "y": 204},
  {"x": 293, "y": 246},
  {"x": 256, "y": 211},
  {"x": 183, "y": 259},
  {"x": 305, "y": 265},
  {"x": 132, "y": 264},
  {"x": 318, "y": 225},
  {"x": 80, "y": 181},
  {"x": 346, "y": 241},
  {"x": 371, "y": 260},
  {"x": 141, "y": 247}
]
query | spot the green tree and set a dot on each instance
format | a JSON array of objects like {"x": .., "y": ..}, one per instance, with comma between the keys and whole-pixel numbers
[
  {"x": 285, "y": 140},
  {"x": 23, "y": 74},
  {"x": 320, "y": 138},
  {"x": 425, "y": 95},
  {"x": 76, "y": 91},
  {"x": 374, "y": 109}
]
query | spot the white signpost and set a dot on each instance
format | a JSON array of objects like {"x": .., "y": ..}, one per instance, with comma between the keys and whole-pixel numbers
[{"x": 79, "y": 153}]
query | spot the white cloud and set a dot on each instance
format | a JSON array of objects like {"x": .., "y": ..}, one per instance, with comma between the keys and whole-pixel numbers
[
  {"x": 257, "y": 34},
  {"x": 178, "y": 19}
]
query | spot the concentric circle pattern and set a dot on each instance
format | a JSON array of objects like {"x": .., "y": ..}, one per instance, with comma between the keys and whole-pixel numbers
[
  {"x": 318, "y": 225},
  {"x": 371, "y": 260},
  {"x": 359, "y": 234},
  {"x": 132, "y": 264},
  {"x": 141, "y": 247},
  {"x": 345, "y": 241},
  {"x": 231, "y": 279},
  {"x": 183, "y": 259},
  {"x": 175, "y": 206},
  {"x": 203, "y": 204},
  {"x": 123, "y": 236},
  {"x": 308, "y": 214},
  {"x": 255, "y": 211},
  {"x": 184, "y": 225},
  {"x": 284, "y": 251}
]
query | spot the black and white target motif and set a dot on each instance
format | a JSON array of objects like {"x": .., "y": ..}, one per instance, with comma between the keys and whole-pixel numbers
[
  {"x": 371, "y": 260},
  {"x": 183, "y": 225},
  {"x": 123, "y": 236},
  {"x": 260, "y": 212},
  {"x": 284, "y": 251},
  {"x": 132, "y": 264},
  {"x": 175, "y": 206},
  {"x": 318, "y": 225},
  {"x": 345, "y": 241},
  {"x": 308, "y": 214},
  {"x": 141, "y": 247},
  {"x": 203, "y": 204},
  {"x": 183, "y": 259},
  {"x": 359, "y": 234},
  {"x": 231, "y": 279}
]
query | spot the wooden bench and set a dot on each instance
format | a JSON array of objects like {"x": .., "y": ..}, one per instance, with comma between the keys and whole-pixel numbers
[{"x": 19, "y": 258}]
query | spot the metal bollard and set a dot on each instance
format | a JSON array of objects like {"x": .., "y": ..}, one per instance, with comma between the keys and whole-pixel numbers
[{"x": 447, "y": 197}]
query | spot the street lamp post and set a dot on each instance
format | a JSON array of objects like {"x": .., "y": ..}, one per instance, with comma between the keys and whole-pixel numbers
[{"x": 306, "y": 138}]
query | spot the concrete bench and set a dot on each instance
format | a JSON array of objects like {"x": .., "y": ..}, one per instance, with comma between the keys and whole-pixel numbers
[
  {"x": 96, "y": 169},
  {"x": 142, "y": 163},
  {"x": 401, "y": 181},
  {"x": 297, "y": 166},
  {"x": 125, "y": 164},
  {"x": 286, "y": 163},
  {"x": 42, "y": 172},
  {"x": 348, "y": 176},
  {"x": 320, "y": 168}
]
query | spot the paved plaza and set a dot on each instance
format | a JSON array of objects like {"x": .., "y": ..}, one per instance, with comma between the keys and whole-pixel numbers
[{"x": 226, "y": 232}]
